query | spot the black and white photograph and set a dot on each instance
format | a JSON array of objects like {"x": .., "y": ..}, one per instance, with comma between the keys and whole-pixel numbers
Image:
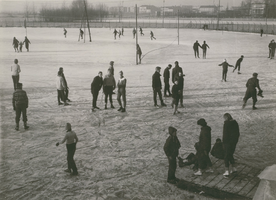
[{"x": 138, "y": 99}]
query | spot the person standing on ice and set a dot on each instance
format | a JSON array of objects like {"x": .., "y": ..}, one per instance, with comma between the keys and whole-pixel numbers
[
  {"x": 225, "y": 66},
  {"x": 171, "y": 149},
  {"x": 96, "y": 86},
  {"x": 270, "y": 48},
  {"x": 20, "y": 104},
  {"x": 181, "y": 88},
  {"x": 195, "y": 47},
  {"x": 141, "y": 30},
  {"x": 204, "y": 48},
  {"x": 134, "y": 32},
  {"x": 66, "y": 89},
  {"x": 60, "y": 89},
  {"x": 15, "y": 69},
  {"x": 139, "y": 52},
  {"x": 122, "y": 92},
  {"x": 109, "y": 85},
  {"x": 81, "y": 33},
  {"x": 238, "y": 64},
  {"x": 175, "y": 96},
  {"x": 166, "y": 75},
  {"x": 20, "y": 46},
  {"x": 152, "y": 35},
  {"x": 122, "y": 31},
  {"x": 230, "y": 138},
  {"x": 273, "y": 47},
  {"x": 175, "y": 71},
  {"x": 15, "y": 43},
  {"x": 65, "y": 32},
  {"x": 27, "y": 42},
  {"x": 111, "y": 67},
  {"x": 115, "y": 33},
  {"x": 262, "y": 32},
  {"x": 71, "y": 140},
  {"x": 251, "y": 91},
  {"x": 157, "y": 87}
]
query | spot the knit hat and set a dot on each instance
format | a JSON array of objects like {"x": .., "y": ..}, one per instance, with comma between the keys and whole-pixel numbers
[
  {"x": 158, "y": 67},
  {"x": 172, "y": 129},
  {"x": 68, "y": 127},
  {"x": 255, "y": 74},
  {"x": 111, "y": 62},
  {"x": 201, "y": 122}
]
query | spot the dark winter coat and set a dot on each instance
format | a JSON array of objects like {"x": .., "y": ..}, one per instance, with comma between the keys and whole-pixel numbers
[
  {"x": 225, "y": 66},
  {"x": 172, "y": 146},
  {"x": 252, "y": 83},
  {"x": 96, "y": 84},
  {"x": 166, "y": 75},
  {"x": 205, "y": 139},
  {"x": 175, "y": 73},
  {"x": 231, "y": 132},
  {"x": 196, "y": 45},
  {"x": 20, "y": 98},
  {"x": 175, "y": 92},
  {"x": 181, "y": 82},
  {"x": 156, "y": 81}
]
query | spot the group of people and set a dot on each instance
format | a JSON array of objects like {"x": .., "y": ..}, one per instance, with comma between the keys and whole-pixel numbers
[
  {"x": 203, "y": 46},
  {"x": 230, "y": 138},
  {"x": 16, "y": 44}
]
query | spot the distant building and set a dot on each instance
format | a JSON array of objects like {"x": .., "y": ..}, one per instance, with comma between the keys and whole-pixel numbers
[
  {"x": 208, "y": 9},
  {"x": 166, "y": 11},
  {"x": 257, "y": 9}
]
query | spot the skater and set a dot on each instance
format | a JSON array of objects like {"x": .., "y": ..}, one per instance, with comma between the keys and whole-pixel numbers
[
  {"x": 134, "y": 32},
  {"x": 122, "y": 92},
  {"x": 15, "y": 43},
  {"x": 119, "y": 33},
  {"x": 262, "y": 31},
  {"x": 204, "y": 148},
  {"x": 238, "y": 64},
  {"x": 96, "y": 86},
  {"x": 20, "y": 104},
  {"x": 175, "y": 71},
  {"x": 175, "y": 96},
  {"x": 27, "y": 42},
  {"x": 141, "y": 31},
  {"x": 181, "y": 88},
  {"x": 171, "y": 149},
  {"x": 270, "y": 48},
  {"x": 66, "y": 90},
  {"x": 81, "y": 33},
  {"x": 251, "y": 85},
  {"x": 166, "y": 76},
  {"x": 122, "y": 31},
  {"x": 225, "y": 66},
  {"x": 115, "y": 33},
  {"x": 231, "y": 134},
  {"x": 195, "y": 47},
  {"x": 152, "y": 35},
  {"x": 157, "y": 86},
  {"x": 60, "y": 89},
  {"x": 109, "y": 85},
  {"x": 204, "y": 48},
  {"x": 111, "y": 67},
  {"x": 71, "y": 140},
  {"x": 139, "y": 52},
  {"x": 20, "y": 46},
  {"x": 272, "y": 51},
  {"x": 65, "y": 32},
  {"x": 15, "y": 69}
]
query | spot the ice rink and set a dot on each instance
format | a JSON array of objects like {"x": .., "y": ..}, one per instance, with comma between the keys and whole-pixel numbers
[{"x": 120, "y": 155}]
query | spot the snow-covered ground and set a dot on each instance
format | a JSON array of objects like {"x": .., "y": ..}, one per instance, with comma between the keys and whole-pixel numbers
[{"x": 122, "y": 153}]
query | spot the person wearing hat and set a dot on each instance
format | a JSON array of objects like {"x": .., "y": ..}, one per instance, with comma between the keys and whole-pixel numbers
[
  {"x": 251, "y": 85},
  {"x": 195, "y": 47},
  {"x": 122, "y": 92},
  {"x": 204, "y": 148},
  {"x": 270, "y": 45},
  {"x": 157, "y": 86},
  {"x": 273, "y": 47},
  {"x": 109, "y": 85},
  {"x": 171, "y": 149},
  {"x": 71, "y": 140},
  {"x": 66, "y": 89},
  {"x": 175, "y": 71},
  {"x": 166, "y": 76},
  {"x": 238, "y": 64},
  {"x": 204, "y": 48},
  {"x": 111, "y": 67},
  {"x": 20, "y": 104},
  {"x": 96, "y": 86},
  {"x": 15, "y": 69},
  {"x": 225, "y": 66},
  {"x": 61, "y": 86}
]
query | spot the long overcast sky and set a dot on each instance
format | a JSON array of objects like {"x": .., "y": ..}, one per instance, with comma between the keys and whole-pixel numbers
[{"x": 18, "y": 5}]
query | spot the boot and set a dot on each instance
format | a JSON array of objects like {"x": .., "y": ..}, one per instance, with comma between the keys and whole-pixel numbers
[
  {"x": 17, "y": 126},
  {"x": 120, "y": 109},
  {"x": 25, "y": 125},
  {"x": 123, "y": 110},
  {"x": 112, "y": 106}
]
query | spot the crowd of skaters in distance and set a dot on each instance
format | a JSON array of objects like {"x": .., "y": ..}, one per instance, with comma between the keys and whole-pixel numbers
[
  {"x": 18, "y": 45},
  {"x": 108, "y": 84}
]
